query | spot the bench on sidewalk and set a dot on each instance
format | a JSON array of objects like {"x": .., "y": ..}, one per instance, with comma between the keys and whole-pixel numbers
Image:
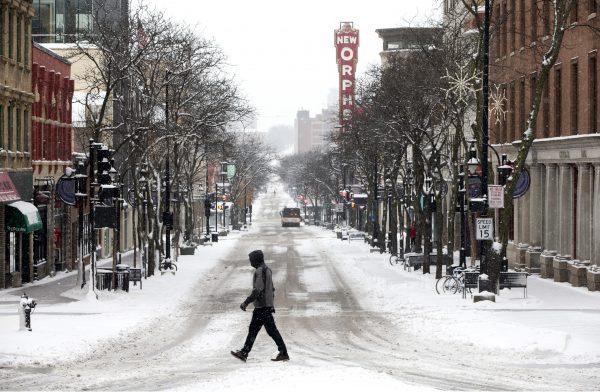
[
  {"x": 412, "y": 260},
  {"x": 470, "y": 279},
  {"x": 510, "y": 280},
  {"x": 355, "y": 236}
]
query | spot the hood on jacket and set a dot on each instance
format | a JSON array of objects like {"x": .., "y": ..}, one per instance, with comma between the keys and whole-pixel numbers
[{"x": 256, "y": 258}]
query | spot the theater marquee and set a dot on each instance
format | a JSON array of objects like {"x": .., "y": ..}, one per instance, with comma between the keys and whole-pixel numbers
[{"x": 346, "y": 48}]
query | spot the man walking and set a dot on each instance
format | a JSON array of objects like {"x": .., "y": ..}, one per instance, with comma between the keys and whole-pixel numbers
[{"x": 262, "y": 297}]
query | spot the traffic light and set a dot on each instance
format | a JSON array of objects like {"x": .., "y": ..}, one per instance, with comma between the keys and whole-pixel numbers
[{"x": 103, "y": 166}]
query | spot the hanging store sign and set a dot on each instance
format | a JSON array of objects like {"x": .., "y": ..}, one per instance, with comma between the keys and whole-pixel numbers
[
  {"x": 346, "y": 48},
  {"x": 8, "y": 192}
]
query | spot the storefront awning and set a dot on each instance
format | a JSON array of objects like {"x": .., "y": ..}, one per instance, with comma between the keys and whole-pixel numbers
[{"x": 23, "y": 217}]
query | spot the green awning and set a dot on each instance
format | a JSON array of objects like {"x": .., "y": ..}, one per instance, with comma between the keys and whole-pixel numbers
[{"x": 22, "y": 217}]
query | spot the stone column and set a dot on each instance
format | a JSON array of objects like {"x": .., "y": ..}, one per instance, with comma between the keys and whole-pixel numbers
[
  {"x": 536, "y": 206},
  {"x": 596, "y": 216},
  {"x": 565, "y": 209},
  {"x": 584, "y": 212},
  {"x": 524, "y": 212},
  {"x": 551, "y": 233}
]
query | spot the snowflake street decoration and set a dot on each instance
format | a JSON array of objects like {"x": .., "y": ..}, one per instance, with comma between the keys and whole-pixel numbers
[
  {"x": 461, "y": 85},
  {"x": 498, "y": 104}
]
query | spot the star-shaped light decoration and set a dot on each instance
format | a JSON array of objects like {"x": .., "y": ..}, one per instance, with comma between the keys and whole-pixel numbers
[
  {"x": 498, "y": 104},
  {"x": 461, "y": 85}
]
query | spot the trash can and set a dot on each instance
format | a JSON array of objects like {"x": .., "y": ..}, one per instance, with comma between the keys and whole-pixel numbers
[
  {"x": 122, "y": 271},
  {"x": 103, "y": 279},
  {"x": 215, "y": 237},
  {"x": 484, "y": 284}
]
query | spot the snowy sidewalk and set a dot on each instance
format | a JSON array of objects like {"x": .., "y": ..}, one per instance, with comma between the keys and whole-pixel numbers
[
  {"x": 50, "y": 290},
  {"x": 65, "y": 330},
  {"x": 557, "y": 323}
]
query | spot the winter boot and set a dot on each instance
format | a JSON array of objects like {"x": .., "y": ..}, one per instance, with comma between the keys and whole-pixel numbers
[
  {"x": 242, "y": 356},
  {"x": 281, "y": 357}
]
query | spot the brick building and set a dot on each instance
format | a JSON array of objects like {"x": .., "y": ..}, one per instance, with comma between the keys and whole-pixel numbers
[
  {"x": 561, "y": 210},
  {"x": 18, "y": 217},
  {"x": 51, "y": 150}
]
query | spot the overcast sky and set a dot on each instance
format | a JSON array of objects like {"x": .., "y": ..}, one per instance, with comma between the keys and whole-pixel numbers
[{"x": 282, "y": 51}]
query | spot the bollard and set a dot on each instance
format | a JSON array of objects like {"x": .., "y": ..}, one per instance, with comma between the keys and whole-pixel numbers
[{"x": 26, "y": 306}]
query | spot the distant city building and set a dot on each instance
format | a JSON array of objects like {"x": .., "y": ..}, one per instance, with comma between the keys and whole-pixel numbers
[
  {"x": 68, "y": 21},
  {"x": 401, "y": 41},
  {"x": 303, "y": 127},
  {"x": 313, "y": 132}
]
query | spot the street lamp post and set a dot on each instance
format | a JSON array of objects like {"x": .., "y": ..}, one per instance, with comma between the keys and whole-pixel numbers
[
  {"x": 375, "y": 217},
  {"x": 485, "y": 119},
  {"x": 429, "y": 201},
  {"x": 167, "y": 217},
  {"x": 462, "y": 192},
  {"x": 81, "y": 194},
  {"x": 391, "y": 241},
  {"x": 144, "y": 185}
]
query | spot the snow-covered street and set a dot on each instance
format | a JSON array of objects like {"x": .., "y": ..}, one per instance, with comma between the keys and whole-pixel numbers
[{"x": 350, "y": 321}]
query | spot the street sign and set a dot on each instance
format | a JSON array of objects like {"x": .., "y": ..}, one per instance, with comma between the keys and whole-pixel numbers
[
  {"x": 496, "y": 196},
  {"x": 230, "y": 171},
  {"x": 484, "y": 229}
]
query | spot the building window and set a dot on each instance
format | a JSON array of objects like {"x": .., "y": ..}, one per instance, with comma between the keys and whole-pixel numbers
[
  {"x": 18, "y": 137},
  {"x": 534, "y": 20},
  {"x": 546, "y": 21},
  {"x": 513, "y": 118},
  {"x": 2, "y": 33},
  {"x": 10, "y": 129},
  {"x": 574, "y": 97},
  {"x": 522, "y": 104},
  {"x": 505, "y": 29},
  {"x": 557, "y": 102},
  {"x": 574, "y": 12},
  {"x": 592, "y": 6},
  {"x": 26, "y": 122},
  {"x": 546, "y": 108},
  {"x": 19, "y": 42},
  {"x": 11, "y": 32},
  {"x": 593, "y": 93},
  {"x": 27, "y": 42},
  {"x": 504, "y": 135},
  {"x": 513, "y": 27},
  {"x": 498, "y": 29},
  {"x": 522, "y": 22},
  {"x": 12, "y": 258},
  {"x": 532, "y": 88}
]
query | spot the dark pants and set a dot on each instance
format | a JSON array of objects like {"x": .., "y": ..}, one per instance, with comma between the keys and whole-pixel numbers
[{"x": 260, "y": 317}]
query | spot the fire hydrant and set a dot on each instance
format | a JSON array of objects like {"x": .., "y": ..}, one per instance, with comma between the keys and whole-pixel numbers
[{"x": 26, "y": 306}]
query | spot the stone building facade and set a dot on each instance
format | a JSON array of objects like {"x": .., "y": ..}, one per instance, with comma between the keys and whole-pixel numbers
[
  {"x": 16, "y": 97},
  {"x": 560, "y": 213}
]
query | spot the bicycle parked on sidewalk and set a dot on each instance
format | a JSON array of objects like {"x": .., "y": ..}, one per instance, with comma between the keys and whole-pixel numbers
[
  {"x": 397, "y": 260},
  {"x": 453, "y": 281}
]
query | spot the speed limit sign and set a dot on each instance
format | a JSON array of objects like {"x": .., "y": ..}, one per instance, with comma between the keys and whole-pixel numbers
[{"x": 485, "y": 229}]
